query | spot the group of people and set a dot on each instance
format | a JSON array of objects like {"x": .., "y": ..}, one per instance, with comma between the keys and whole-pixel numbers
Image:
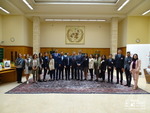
[{"x": 77, "y": 66}]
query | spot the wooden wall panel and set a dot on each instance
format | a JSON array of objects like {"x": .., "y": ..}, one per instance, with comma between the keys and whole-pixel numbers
[
  {"x": 123, "y": 50},
  {"x": 102, "y": 51},
  {"x": 19, "y": 49}
]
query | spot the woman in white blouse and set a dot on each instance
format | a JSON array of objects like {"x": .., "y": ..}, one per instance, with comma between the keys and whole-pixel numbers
[
  {"x": 28, "y": 67},
  {"x": 35, "y": 67},
  {"x": 52, "y": 68},
  {"x": 91, "y": 65}
]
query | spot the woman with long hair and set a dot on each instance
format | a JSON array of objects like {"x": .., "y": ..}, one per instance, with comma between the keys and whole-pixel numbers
[
  {"x": 96, "y": 66},
  {"x": 103, "y": 67},
  {"x": 40, "y": 66},
  {"x": 35, "y": 67},
  {"x": 134, "y": 69},
  {"x": 28, "y": 67}
]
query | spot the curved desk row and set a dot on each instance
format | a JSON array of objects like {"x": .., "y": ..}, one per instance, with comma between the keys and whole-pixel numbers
[{"x": 8, "y": 75}]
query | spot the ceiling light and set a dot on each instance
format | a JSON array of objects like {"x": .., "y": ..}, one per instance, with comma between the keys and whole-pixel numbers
[
  {"x": 146, "y": 12},
  {"x": 25, "y": 1},
  {"x": 69, "y": 20},
  {"x": 125, "y": 3},
  {"x": 4, "y": 10}
]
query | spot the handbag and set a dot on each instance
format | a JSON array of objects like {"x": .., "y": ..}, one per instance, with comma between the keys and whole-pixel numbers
[{"x": 29, "y": 68}]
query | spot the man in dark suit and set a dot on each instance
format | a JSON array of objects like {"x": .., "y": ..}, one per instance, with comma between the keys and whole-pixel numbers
[
  {"x": 127, "y": 63},
  {"x": 61, "y": 65},
  {"x": 67, "y": 66},
  {"x": 79, "y": 62},
  {"x": 110, "y": 67},
  {"x": 45, "y": 65},
  {"x": 55, "y": 56},
  {"x": 74, "y": 66},
  {"x": 119, "y": 65}
]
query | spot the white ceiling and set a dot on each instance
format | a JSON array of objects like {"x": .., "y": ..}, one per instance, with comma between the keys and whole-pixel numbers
[{"x": 101, "y": 11}]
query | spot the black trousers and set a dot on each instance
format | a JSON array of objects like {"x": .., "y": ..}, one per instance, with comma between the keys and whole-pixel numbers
[
  {"x": 103, "y": 74},
  {"x": 45, "y": 72},
  {"x": 119, "y": 70},
  {"x": 67, "y": 72},
  {"x": 19, "y": 74},
  {"x": 91, "y": 73},
  {"x": 52, "y": 74},
  {"x": 79, "y": 73},
  {"x": 128, "y": 76},
  {"x": 110, "y": 74},
  {"x": 61, "y": 72},
  {"x": 73, "y": 72}
]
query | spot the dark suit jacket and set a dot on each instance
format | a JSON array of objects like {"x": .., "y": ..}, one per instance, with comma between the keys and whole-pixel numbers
[
  {"x": 110, "y": 63},
  {"x": 60, "y": 61},
  {"x": 67, "y": 61},
  {"x": 85, "y": 62},
  {"x": 45, "y": 62},
  {"x": 103, "y": 64},
  {"x": 119, "y": 61},
  {"x": 55, "y": 56},
  {"x": 79, "y": 59},
  {"x": 73, "y": 60}
]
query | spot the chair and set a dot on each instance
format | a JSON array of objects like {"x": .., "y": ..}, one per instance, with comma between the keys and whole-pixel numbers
[{"x": 147, "y": 76}]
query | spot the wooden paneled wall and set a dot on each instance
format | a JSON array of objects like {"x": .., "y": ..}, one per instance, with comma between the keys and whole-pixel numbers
[
  {"x": 123, "y": 50},
  {"x": 9, "y": 50},
  {"x": 101, "y": 51}
]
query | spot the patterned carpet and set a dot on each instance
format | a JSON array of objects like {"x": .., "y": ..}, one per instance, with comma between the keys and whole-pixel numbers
[{"x": 74, "y": 87}]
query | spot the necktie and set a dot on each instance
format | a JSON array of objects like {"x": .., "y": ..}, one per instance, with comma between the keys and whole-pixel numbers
[{"x": 68, "y": 60}]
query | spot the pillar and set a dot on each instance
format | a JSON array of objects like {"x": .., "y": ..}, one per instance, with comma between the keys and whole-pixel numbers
[
  {"x": 36, "y": 35},
  {"x": 114, "y": 36}
]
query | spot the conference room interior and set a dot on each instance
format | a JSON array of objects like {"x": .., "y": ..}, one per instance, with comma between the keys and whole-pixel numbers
[{"x": 91, "y": 26}]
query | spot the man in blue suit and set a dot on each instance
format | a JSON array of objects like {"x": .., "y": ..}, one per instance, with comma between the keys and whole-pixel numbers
[
  {"x": 67, "y": 66},
  {"x": 74, "y": 66},
  {"x": 61, "y": 65},
  {"x": 127, "y": 63},
  {"x": 79, "y": 63},
  {"x": 55, "y": 56},
  {"x": 45, "y": 65},
  {"x": 110, "y": 67},
  {"x": 119, "y": 65}
]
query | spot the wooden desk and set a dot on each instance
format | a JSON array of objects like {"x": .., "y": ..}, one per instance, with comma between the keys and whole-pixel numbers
[{"x": 8, "y": 75}]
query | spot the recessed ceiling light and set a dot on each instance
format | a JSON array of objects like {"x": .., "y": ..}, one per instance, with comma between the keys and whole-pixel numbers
[
  {"x": 25, "y": 1},
  {"x": 69, "y": 20},
  {"x": 5, "y": 10},
  {"x": 125, "y": 3},
  {"x": 146, "y": 12}
]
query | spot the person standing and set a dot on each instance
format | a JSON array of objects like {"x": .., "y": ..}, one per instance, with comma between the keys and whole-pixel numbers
[
  {"x": 28, "y": 67},
  {"x": 91, "y": 66},
  {"x": 40, "y": 66},
  {"x": 134, "y": 69},
  {"x": 85, "y": 65},
  {"x": 35, "y": 68},
  {"x": 79, "y": 63},
  {"x": 56, "y": 56},
  {"x": 74, "y": 66},
  {"x": 61, "y": 65},
  {"x": 127, "y": 63},
  {"x": 110, "y": 68},
  {"x": 119, "y": 66},
  {"x": 45, "y": 65},
  {"x": 67, "y": 66},
  {"x": 103, "y": 67},
  {"x": 52, "y": 68},
  {"x": 96, "y": 66},
  {"x": 19, "y": 63}
]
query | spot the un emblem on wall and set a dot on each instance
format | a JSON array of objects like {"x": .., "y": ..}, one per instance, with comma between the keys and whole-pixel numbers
[{"x": 74, "y": 35}]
